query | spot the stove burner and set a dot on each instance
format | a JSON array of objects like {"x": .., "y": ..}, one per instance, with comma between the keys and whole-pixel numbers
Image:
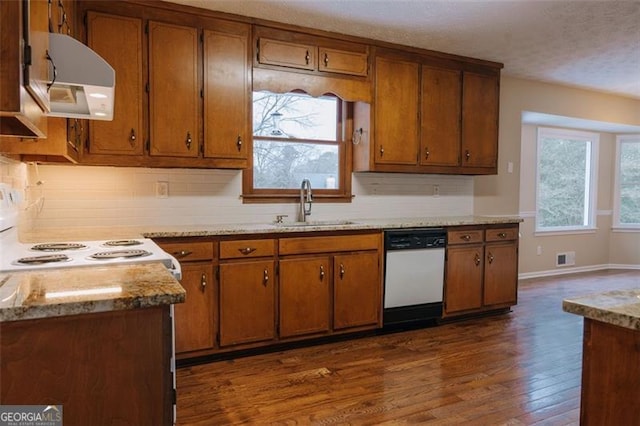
[
  {"x": 39, "y": 260},
  {"x": 122, "y": 243},
  {"x": 58, "y": 246},
  {"x": 117, "y": 254}
]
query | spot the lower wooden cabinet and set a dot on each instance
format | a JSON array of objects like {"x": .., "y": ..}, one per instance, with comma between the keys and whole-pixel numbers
[
  {"x": 481, "y": 269},
  {"x": 247, "y": 302},
  {"x": 356, "y": 290}
]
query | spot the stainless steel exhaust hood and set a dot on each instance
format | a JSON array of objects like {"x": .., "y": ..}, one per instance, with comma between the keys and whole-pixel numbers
[{"x": 84, "y": 83}]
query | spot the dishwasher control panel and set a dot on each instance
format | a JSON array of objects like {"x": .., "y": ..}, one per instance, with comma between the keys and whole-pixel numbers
[{"x": 408, "y": 239}]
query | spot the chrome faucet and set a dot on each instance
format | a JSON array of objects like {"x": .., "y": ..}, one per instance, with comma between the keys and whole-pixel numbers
[{"x": 306, "y": 198}]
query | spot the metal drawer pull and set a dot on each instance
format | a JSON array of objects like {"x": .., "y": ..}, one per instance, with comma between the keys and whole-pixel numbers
[
  {"x": 467, "y": 154},
  {"x": 188, "y": 141},
  {"x": 502, "y": 235},
  {"x": 239, "y": 143},
  {"x": 266, "y": 277},
  {"x": 321, "y": 272},
  {"x": 427, "y": 153},
  {"x": 132, "y": 137},
  {"x": 381, "y": 150},
  {"x": 490, "y": 257},
  {"x": 182, "y": 253},
  {"x": 341, "y": 271},
  {"x": 203, "y": 282},
  {"x": 477, "y": 259},
  {"x": 246, "y": 250},
  {"x": 326, "y": 60},
  {"x": 465, "y": 237},
  {"x": 307, "y": 57}
]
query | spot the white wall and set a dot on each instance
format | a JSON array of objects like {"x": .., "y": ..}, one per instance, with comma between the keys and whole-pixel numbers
[{"x": 83, "y": 196}]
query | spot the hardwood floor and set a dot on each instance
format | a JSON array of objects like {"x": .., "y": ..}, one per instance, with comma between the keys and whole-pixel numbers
[{"x": 520, "y": 368}]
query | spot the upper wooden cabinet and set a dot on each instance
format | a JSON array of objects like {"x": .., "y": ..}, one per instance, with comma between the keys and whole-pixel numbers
[
  {"x": 118, "y": 39},
  {"x": 305, "y": 52},
  {"x": 429, "y": 117},
  {"x": 24, "y": 68}
]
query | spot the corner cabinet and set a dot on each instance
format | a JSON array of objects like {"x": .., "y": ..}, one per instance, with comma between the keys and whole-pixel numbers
[
  {"x": 429, "y": 116},
  {"x": 481, "y": 272}
]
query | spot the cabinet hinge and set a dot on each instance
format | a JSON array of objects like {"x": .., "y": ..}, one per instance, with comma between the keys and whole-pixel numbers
[
  {"x": 201, "y": 37},
  {"x": 146, "y": 28},
  {"x": 218, "y": 273},
  {"x": 218, "y": 339},
  {"x": 86, "y": 20},
  {"x": 202, "y": 149},
  {"x": 147, "y": 88},
  {"x": 202, "y": 93},
  {"x": 148, "y": 145}
]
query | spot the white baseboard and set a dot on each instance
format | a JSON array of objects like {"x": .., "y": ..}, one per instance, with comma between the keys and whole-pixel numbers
[{"x": 573, "y": 270}]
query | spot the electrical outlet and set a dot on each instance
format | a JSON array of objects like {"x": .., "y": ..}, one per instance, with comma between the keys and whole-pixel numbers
[
  {"x": 162, "y": 189},
  {"x": 436, "y": 190},
  {"x": 539, "y": 250}
]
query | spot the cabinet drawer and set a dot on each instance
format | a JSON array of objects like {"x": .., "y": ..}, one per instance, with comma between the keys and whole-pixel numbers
[
  {"x": 306, "y": 245},
  {"x": 189, "y": 251},
  {"x": 465, "y": 236},
  {"x": 246, "y": 248},
  {"x": 286, "y": 54},
  {"x": 342, "y": 61},
  {"x": 501, "y": 234}
]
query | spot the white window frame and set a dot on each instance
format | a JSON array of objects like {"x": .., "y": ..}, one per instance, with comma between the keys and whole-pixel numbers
[
  {"x": 616, "y": 191},
  {"x": 592, "y": 179}
]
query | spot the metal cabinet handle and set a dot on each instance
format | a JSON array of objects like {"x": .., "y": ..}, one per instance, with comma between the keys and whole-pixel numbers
[
  {"x": 467, "y": 154},
  {"x": 247, "y": 250},
  {"x": 381, "y": 150},
  {"x": 182, "y": 253},
  {"x": 307, "y": 57},
  {"x": 321, "y": 272},
  {"x": 55, "y": 71},
  {"x": 502, "y": 235},
  {"x": 490, "y": 257},
  {"x": 341, "y": 271},
  {"x": 477, "y": 259},
  {"x": 239, "y": 143},
  {"x": 132, "y": 137},
  {"x": 265, "y": 279},
  {"x": 326, "y": 60},
  {"x": 465, "y": 237},
  {"x": 203, "y": 282},
  {"x": 188, "y": 141},
  {"x": 427, "y": 153}
]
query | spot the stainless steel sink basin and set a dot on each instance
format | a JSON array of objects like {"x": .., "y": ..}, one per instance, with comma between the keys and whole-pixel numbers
[{"x": 312, "y": 223}]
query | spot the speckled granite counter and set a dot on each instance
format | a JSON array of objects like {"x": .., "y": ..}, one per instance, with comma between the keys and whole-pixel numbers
[
  {"x": 259, "y": 228},
  {"x": 72, "y": 291},
  {"x": 618, "y": 307}
]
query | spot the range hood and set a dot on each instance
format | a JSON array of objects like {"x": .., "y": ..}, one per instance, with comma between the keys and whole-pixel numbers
[{"x": 84, "y": 85}]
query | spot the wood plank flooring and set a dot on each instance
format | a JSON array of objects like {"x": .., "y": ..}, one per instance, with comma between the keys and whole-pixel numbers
[{"x": 520, "y": 368}]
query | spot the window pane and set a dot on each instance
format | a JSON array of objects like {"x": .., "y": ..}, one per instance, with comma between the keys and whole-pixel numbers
[
  {"x": 563, "y": 183},
  {"x": 294, "y": 115},
  {"x": 285, "y": 164},
  {"x": 630, "y": 183}
]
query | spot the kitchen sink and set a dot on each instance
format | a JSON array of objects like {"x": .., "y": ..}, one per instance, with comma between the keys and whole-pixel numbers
[{"x": 314, "y": 223}]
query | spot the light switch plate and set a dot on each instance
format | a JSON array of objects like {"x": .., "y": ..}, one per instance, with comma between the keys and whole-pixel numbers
[{"x": 162, "y": 189}]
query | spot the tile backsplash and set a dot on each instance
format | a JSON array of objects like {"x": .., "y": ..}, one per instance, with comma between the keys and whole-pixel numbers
[{"x": 83, "y": 196}]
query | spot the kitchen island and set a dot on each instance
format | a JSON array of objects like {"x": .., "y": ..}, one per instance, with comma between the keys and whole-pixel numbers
[
  {"x": 611, "y": 356},
  {"x": 96, "y": 340}
]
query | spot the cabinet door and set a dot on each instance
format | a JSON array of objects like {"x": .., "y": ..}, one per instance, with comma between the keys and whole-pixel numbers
[
  {"x": 173, "y": 90},
  {"x": 304, "y": 296},
  {"x": 396, "y": 112},
  {"x": 286, "y": 54},
  {"x": 118, "y": 40},
  {"x": 463, "y": 286},
  {"x": 501, "y": 273},
  {"x": 480, "y": 97},
  {"x": 194, "y": 319},
  {"x": 247, "y": 302},
  {"x": 440, "y": 118},
  {"x": 356, "y": 287},
  {"x": 343, "y": 61},
  {"x": 226, "y": 91},
  {"x": 36, "y": 74}
]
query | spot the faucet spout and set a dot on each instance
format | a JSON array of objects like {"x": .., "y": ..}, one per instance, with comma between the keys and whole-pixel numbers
[{"x": 306, "y": 199}]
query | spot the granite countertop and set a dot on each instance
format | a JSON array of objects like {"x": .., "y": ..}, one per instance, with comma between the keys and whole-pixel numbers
[
  {"x": 617, "y": 307},
  {"x": 72, "y": 291},
  {"x": 259, "y": 228}
]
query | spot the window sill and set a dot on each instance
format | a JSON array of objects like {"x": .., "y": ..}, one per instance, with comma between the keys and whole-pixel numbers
[
  {"x": 623, "y": 229},
  {"x": 565, "y": 232},
  {"x": 280, "y": 198}
]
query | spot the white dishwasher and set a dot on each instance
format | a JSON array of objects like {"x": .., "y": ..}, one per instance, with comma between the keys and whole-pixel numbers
[{"x": 414, "y": 276}]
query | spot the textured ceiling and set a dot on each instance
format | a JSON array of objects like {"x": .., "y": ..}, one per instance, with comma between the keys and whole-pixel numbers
[{"x": 588, "y": 44}]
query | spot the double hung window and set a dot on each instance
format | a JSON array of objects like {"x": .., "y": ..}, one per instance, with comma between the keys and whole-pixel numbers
[{"x": 626, "y": 211}]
